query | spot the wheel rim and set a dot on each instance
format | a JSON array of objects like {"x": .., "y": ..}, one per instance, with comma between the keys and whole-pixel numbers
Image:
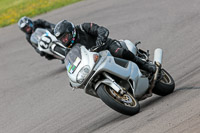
[
  {"x": 166, "y": 79},
  {"x": 126, "y": 99}
]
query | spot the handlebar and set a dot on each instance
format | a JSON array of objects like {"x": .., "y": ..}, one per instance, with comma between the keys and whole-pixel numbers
[{"x": 96, "y": 48}]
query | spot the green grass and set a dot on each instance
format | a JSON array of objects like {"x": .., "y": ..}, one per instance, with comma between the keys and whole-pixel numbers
[{"x": 12, "y": 10}]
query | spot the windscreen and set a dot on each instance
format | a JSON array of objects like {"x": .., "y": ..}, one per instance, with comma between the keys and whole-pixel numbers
[
  {"x": 36, "y": 35},
  {"x": 73, "y": 58}
]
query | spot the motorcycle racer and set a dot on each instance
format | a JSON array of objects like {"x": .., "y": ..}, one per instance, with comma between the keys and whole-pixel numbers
[
  {"x": 90, "y": 34},
  {"x": 28, "y": 26}
]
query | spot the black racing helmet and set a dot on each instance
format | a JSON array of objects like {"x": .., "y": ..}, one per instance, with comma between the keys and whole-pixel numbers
[
  {"x": 26, "y": 25},
  {"x": 65, "y": 32}
]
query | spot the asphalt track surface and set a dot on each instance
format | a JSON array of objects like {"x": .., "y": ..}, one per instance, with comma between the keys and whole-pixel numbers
[{"x": 35, "y": 96}]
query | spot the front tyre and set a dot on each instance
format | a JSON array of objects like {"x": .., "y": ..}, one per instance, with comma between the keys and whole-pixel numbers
[
  {"x": 125, "y": 104},
  {"x": 165, "y": 85}
]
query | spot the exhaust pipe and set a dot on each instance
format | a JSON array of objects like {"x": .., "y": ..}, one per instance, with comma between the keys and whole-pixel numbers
[
  {"x": 158, "y": 55},
  {"x": 158, "y": 61}
]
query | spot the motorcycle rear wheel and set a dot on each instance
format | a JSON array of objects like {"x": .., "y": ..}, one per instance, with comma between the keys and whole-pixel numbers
[
  {"x": 165, "y": 85},
  {"x": 125, "y": 104}
]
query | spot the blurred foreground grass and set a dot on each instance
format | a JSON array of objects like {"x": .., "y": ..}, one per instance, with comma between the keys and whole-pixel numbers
[{"x": 12, "y": 10}]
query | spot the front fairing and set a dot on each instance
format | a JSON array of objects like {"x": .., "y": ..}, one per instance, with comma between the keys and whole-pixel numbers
[
  {"x": 77, "y": 58},
  {"x": 131, "y": 73},
  {"x": 39, "y": 32},
  {"x": 35, "y": 37}
]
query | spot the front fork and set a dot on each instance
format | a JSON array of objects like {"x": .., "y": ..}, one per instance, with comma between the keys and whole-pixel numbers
[{"x": 111, "y": 82}]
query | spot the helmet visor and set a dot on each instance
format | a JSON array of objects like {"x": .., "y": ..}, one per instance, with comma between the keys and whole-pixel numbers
[
  {"x": 27, "y": 29},
  {"x": 66, "y": 38}
]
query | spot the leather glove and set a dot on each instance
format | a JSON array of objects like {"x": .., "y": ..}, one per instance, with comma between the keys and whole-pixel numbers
[
  {"x": 49, "y": 57},
  {"x": 42, "y": 53},
  {"x": 99, "y": 41},
  {"x": 67, "y": 51},
  {"x": 39, "y": 52},
  {"x": 52, "y": 26}
]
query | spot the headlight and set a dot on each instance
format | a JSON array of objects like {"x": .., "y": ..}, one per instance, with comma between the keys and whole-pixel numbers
[{"x": 83, "y": 74}]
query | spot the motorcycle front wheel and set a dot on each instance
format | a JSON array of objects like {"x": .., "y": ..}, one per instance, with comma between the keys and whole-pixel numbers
[
  {"x": 165, "y": 85},
  {"x": 125, "y": 104}
]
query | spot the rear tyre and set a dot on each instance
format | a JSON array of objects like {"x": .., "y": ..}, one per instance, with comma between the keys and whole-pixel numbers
[
  {"x": 165, "y": 85},
  {"x": 125, "y": 104}
]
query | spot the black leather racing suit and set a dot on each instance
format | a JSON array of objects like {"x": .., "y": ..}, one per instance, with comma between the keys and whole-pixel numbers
[
  {"x": 39, "y": 23},
  {"x": 88, "y": 33}
]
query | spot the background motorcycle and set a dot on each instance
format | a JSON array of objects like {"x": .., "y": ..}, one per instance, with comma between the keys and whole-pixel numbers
[
  {"x": 45, "y": 42},
  {"x": 117, "y": 82}
]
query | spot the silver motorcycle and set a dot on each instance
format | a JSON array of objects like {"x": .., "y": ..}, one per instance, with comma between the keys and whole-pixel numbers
[
  {"x": 51, "y": 45},
  {"x": 119, "y": 83}
]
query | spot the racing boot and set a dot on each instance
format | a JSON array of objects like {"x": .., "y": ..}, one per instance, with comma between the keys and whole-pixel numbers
[{"x": 149, "y": 67}]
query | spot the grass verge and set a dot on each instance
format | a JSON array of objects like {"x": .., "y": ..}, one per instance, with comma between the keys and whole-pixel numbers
[{"x": 12, "y": 10}]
